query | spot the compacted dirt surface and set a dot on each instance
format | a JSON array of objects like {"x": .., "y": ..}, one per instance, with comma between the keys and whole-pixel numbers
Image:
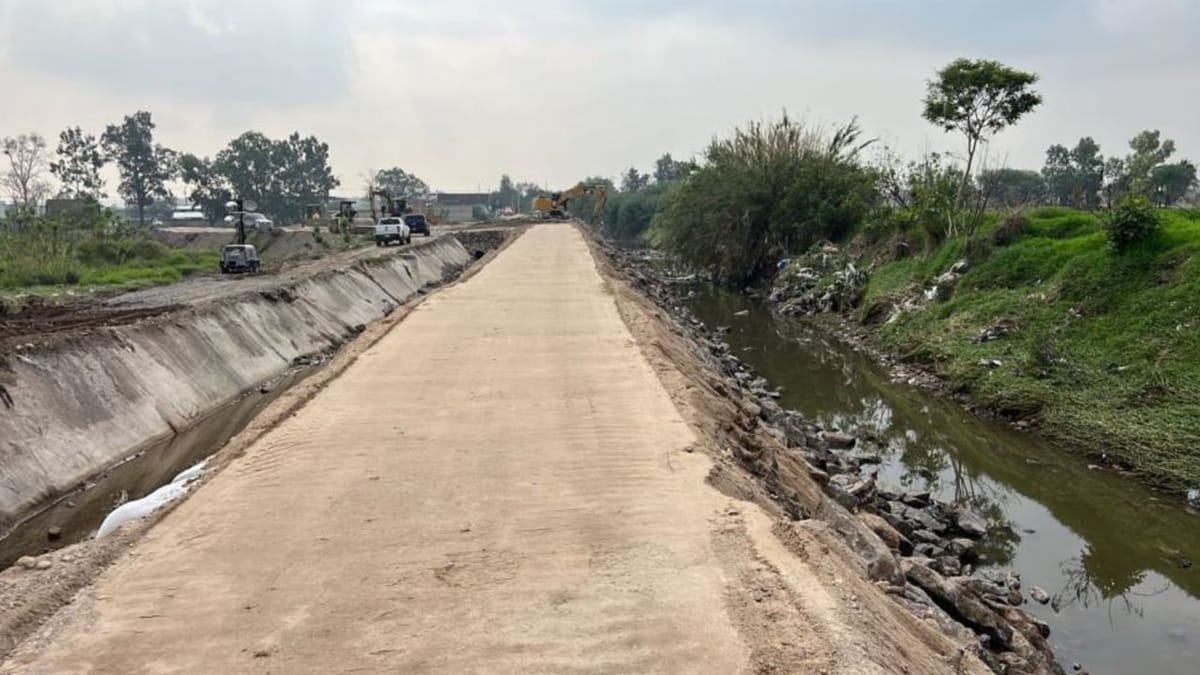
[
  {"x": 37, "y": 319},
  {"x": 502, "y": 483}
]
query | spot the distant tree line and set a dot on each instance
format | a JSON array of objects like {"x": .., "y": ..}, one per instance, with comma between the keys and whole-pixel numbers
[
  {"x": 773, "y": 189},
  {"x": 282, "y": 176}
]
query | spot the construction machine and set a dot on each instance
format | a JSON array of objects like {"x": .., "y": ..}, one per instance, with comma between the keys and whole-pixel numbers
[
  {"x": 240, "y": 257},
  {"x": 554, "y": 205},
  {"x": 393, "y": 206},
  {"x": 343, "y": 220}
]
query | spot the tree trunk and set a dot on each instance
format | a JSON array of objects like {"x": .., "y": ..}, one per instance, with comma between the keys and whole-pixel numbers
[
  {"x": 962, "y": 184},
  {"x": 141, "y": 214}
]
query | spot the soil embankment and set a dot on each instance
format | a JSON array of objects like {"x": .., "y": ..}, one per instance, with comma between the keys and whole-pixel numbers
[
  {"x": 81, "y": 391},
  {"x": 921, "y": 550}
]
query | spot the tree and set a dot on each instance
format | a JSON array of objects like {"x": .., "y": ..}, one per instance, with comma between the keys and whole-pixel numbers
[
  {"x": 507, "y": 196},
  {"x": 304, "y": 175},
  {"x": 1014, "y": 187},
  {"x": 80, "y": 159},
  {"x": 667, "y": 169},
  {"x": 1059, "y": 175},
  {"x": 634, "y": 180},
  {"x": 209, "y": 190},
  {"x": 27, "y": 162},
  {"x": 1149, "y": 150},
  {"x": 401, "y": 183},
  {"x": 1075, "y": 177},
  {"x": 1088, "y": 164},
  {"x": 145, "y": 166},
  {"x": 247, "y": 164},
  {"x": 1171, "y": 182},
  {"x": 978, "y": 99}
]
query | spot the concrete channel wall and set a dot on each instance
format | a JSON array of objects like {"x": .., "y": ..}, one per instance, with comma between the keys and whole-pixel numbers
[{"x": 84, "y": 403}]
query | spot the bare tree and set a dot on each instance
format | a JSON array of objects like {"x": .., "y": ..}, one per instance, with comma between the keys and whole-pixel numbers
[{"x": 28, "y": 162}]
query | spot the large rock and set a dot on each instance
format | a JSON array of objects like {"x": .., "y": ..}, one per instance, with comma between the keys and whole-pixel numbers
[
  {"x": 961, "y": 602},
  {"x": 923, "y": 519},
  {"x": 851, "y": 491},
  {"x": 889, "y": 534},
  {"x": 838, "y": 440},
  {"x": 964, "y": 549},
  {"x": 897, "y": 521},
  {"x": 969, "y": 523}
]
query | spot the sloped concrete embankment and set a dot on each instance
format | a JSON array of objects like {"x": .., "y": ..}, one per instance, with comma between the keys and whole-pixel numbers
[{"x": 78, "y": 405}]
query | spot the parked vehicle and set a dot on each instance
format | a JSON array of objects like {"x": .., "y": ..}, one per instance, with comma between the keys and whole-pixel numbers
[
  {"x": 417, "y": 223},
  {"x": 255, "y": 220},
  {"x": 392, "y": 229},
  {"x": 239, "y": 259}
]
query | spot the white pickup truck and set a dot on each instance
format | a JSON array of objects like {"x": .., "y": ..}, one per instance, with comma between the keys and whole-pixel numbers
[{"x": 392, "y": 229}]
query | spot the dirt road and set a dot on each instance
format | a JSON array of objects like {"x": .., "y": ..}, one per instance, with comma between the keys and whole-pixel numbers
[{"x": 501, "y": 484}]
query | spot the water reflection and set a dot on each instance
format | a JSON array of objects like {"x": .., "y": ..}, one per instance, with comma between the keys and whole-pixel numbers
[{"x": 1114, "y": 555}]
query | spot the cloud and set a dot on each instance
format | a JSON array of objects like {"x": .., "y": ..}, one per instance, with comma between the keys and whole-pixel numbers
[
  {"x": 460, "y": 91},
  {"x": 239, "y": 52}
]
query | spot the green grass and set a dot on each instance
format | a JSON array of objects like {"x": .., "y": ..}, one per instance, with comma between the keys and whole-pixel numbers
[
  {"x": 1106, "y": 347},
  {"x": 47, "y": 277}
]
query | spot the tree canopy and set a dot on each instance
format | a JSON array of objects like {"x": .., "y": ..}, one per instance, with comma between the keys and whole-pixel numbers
[
  {"x": 1075, "y": 177},
  {"x": 401, "y": 183},
  {"x": 667, "y": 169},
  {"x": 282, "y": 176},
  {"x": 23, "y": 180},
  {"x": 80, "y": 158},
  {"x": 978, "y": 98},
  {"x": 208, "y": 189},
  {"x": 145, "y": 166},
  {"x": 633, "y": 180}
]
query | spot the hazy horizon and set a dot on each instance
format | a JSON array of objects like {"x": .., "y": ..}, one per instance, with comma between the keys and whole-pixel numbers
[{"x": 552, "y": 91}]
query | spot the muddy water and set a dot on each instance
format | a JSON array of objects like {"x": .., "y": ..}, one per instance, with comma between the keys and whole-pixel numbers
[
  {"x": 1115, "y": 556},
  {"x": 80, "y": 513}
]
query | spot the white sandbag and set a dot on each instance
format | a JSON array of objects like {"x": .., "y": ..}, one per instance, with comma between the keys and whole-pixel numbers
[{"x": 140, "y": 508}]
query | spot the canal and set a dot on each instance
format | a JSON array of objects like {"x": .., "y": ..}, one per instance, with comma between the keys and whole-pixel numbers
[{"x": 1115, "y": 556}]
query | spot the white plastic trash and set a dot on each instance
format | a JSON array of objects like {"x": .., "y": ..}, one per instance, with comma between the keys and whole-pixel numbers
[{"x": 140, "y": 508}]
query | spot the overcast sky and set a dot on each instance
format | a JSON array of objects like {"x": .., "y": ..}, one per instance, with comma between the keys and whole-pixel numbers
[{"x": 553, "y": 90}]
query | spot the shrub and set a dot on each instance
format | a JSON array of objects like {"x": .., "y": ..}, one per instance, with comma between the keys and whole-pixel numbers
[
  {"x": 977, "y": 249},
  {"x": 1132, "y": 221},
  {"x": 1009, "y": 229},
  {"x": 766, "y": 193}
]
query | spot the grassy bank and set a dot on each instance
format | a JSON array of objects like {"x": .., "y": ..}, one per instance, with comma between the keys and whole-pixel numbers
[
  {"x": 35, "y": 265},
  {"x": 1101, "y": 349}
]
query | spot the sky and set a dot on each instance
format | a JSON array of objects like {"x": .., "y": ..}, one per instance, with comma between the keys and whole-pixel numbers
[{"x": 550, "y": 91}]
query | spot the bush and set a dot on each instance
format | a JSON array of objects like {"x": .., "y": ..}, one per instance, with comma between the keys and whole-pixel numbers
[
  {"x": 1009, "y": 229},
  {"x": 1131, "y": 222},
  {"x": 121, "y": 250},
  {"x": 31, "y": 271},
  {"x": 766, "y": 193},
  {"x": 977, "y": 249}
]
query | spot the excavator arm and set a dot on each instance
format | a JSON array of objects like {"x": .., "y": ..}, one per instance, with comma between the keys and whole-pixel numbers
[{"x": 555, "y": 205}]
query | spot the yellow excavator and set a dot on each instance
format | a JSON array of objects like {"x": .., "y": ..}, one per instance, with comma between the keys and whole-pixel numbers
[{"x": 554, "y": 205}]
